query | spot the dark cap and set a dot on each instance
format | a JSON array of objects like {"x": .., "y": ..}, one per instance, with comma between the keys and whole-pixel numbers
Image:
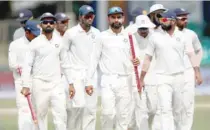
[
  {"x": 61, "y": 17},
  {"x": 85, "y": 9},
  {"x": 115, "y": 10},
  {"x": 25, "y": 15},
  {"x": 47, "y": 15},
  {"x": 168, "y": 14},
  {"x": 32, "y": 26},
  {"x": 138, "y": 11},
  {"x": 181, "y": 11}
]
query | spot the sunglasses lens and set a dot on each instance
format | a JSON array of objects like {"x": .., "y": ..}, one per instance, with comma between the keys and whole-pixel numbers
[
  {"x": 88, "y": 16},
  {"x": 63, "y": 22},
  {"x": 50, "y": 22}
]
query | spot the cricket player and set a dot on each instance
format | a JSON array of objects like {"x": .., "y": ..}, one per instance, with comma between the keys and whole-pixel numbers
[
  {"x": 24, "y": 15},
  {"x": 132, "y": 27},
  {"x": 112, "y": 52},
  {"x": 154, "y": 13},
  {"x": 189, "y": 87},
  {"x": 42, "y": 74},
  {"x": 61, "y": 24},
  {"x": 169, "y": 46},
  {"x": 80, "y": 40},
  {"x": 17, "y": 53},
  {"x": 142, "y": 107}
]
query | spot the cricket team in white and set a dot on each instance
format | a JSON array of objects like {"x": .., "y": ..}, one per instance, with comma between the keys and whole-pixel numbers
[{"x": 64, "y": 68}]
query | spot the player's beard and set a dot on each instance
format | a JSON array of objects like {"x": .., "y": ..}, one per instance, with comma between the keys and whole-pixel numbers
[
  {"x": 166, "y": 27},
  {"x": 116, "y": 25},
  {"x": 48, "y": 30},
  {"x": 181, "y": 27}
]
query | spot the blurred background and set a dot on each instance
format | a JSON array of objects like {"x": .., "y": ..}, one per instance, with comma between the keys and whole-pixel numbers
[{"x": 199, "y": 21}]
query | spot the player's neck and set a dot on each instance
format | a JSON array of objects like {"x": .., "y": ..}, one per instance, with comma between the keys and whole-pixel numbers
[
  {"x": 116, "y": 30},
  {"x": 48, "y": 35},
  {"x": 171, "y": 31},
  {"x": 85, "y": 27}
]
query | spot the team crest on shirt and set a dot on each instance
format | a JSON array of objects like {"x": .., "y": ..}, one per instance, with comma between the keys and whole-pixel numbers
[
  {"x": 125, "y": 40},
  {"x": 56, "y": 45},
  {"x": 93, "y": 36},
  {"x": 178, "y": 39}
]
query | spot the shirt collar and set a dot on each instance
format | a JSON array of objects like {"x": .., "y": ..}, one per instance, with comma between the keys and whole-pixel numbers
[
  {"x": 82, "y": 30},
  {"x": 26, "y": 40},
  {"x": 113, "y": 33}
]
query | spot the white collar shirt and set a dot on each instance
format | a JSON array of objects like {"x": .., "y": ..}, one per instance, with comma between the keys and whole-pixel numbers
[
  {"x": 80, "y": 45},
  {"x": 17, "y": 54},
  {"x": 169, "y": 51},
  {"x": 44, "y": 59}
]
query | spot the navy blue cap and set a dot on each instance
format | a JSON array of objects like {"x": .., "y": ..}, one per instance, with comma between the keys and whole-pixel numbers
[
  {"x": 115, "y": 10},
  {"x": 138, "y": 11},
  {"x": 47, "y": 15},
  {"x": 180, "y": 11},
  {"x": 32, "y": 26},
  {"x": 61, "y": 17},
  {"x": 85, "y": 9},
  {"x": 168, "y": 14},
  {"x": 25, "y": 14}
]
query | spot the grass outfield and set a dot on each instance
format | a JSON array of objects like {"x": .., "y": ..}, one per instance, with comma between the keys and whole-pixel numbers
[{"x": 8, "y": 120}]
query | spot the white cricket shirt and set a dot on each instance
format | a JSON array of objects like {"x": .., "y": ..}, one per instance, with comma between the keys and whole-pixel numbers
[{"x": 44, "y": 59}]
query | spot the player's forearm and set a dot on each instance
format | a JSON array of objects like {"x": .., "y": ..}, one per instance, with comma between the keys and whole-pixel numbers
[
  {"x": 194, "y": 61},
  {"x": 145, "y": 66},
  {"x": 199, "y": 55},
  {"x": 12, "y": 62}
]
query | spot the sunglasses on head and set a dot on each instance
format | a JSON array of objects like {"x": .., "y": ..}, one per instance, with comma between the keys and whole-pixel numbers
[
  {"x": 181, "y": 18},
  {"x": 163, "y": 20},
  {"x": 89, "y": 16},
  {"x": 50, "y": 22}
]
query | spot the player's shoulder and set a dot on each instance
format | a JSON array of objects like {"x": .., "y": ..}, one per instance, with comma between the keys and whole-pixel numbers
[
  {"x": 190, "y": 32},
  {"x": 72, "y": 30},
  {"x": 95, "y": 30},
  {"x": 17, "y": 41}
]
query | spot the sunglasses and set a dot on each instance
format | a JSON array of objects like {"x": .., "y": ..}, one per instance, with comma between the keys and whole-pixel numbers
[
  {"x": 164, "y": 20},
  {"x": 50, "y": 22},
  {"x": 64, "y": 22},
  {"x": 90, "y": 16},
  {"x": 182, "y": 18}
]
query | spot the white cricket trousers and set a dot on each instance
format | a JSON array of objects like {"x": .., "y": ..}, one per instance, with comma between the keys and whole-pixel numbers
[
  {"x": 46, "y": 94},
  {"x": 188, "y": 100},
  {"x": 25, "y": 121},
  {"x": 170, "y": 96},
  {"x": 143, "y": 107},
  {"x": 81, "y": 110},
  {"x": 115, "y": 101}
]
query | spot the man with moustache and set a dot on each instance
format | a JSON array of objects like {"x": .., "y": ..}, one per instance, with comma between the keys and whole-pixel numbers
[
  {"x": 169, "y": 46},
  {"x": 143, "y": 107},
  {"x": 42, "y": 75},
  {"x": 80, "y": 40},
  {"x": 17, "y": 54},
  {"x": 189, "y": 87},
  {"x": 112, "y": 53},
  {"x": 154, "y": 14}
]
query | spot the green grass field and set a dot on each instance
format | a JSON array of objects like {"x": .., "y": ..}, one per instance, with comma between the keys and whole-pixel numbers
[{"x": 8, "y": 120}]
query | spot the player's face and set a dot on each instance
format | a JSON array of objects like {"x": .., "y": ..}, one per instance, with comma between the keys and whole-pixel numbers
[
  {"x": 166, "y": 23},
  {"x": 87, "y": 20},
  {"x": 30, "y": 36},
  {"x": 143, "y": 32},
  {"x": 116, "y": 20},
  {"x": 155, "y": 17},
  {"x": 48, "y": 25},
  {"x": 62, "y": 25},
  {"x": 182, "y": 21}
]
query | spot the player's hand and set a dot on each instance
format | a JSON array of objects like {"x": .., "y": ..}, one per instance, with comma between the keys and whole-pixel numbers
[
  {"x": 198, "y": 78},
  {"x": 136, "y": 62},
  {"x": 25, "y": 91},
  {"x": 142, "y": 84},
  {"x": 71, "y": 91},
  {"x": 19, "y": 70},
  {"x": 89, "y": 90}
]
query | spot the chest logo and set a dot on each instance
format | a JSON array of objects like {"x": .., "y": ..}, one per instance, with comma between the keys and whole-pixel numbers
[
  {"x": 125, "y": 40},
  {"x": 93, "y": 36},
  {"x": 56, "y": 45},
  {"x": 178, "y": 39}
]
